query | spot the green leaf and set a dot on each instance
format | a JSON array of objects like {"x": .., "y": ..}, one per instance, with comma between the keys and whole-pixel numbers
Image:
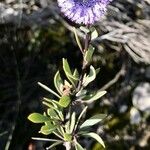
[
  {"x": 72, "y": 122},
  {"x": 82, "y": 93},
  {"x": 68, "y": 72},
  {"x": 80, "y": 116},
  {"x": 93, "y": 120},
  {"x": 67, "y": 125},
  {"x": 48, "y": 89},
  {"x": 54, "y": 145},
  {"x": 58, "y": 82},
  {"x": 84, "y": 29},
  {"x": 61, "y": 130},
  {"x": 47, "y": 129},
  {"x": 96, "y": 137},
  {"x": 89, "y": 78},
  {"x": 66, "y": 67},
  {"x": 51, "y": 101},
  {"x": 49, "y": 105},
  {"x": 67, "y": 137},
  {"x": 56, "y": 107},
  {"x": 89, "y": 53},
  {"x": 95, "y": 97},
  {"x": 64, "y": 101},
  {"x": 38, "y": 118},
  {"x": 77, "y": 39},
  {"x": 76, "y": 74},
  {"x": 97, "y": 70},
  {"x": 45, "y": 139},
  {"x": 94, "y": 34},
  {"x": 52, "y": 113},
  {"x": 78, "y": 146}
]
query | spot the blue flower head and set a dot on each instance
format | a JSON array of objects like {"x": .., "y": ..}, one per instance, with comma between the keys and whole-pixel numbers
[{"x": 83, "y": 11}]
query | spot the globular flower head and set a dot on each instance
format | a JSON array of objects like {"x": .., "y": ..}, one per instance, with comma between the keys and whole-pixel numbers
[{"x": 83, "y": 11}]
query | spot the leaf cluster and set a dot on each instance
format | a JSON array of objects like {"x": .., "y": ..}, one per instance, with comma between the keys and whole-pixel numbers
[{"x": 59, "y": 118}]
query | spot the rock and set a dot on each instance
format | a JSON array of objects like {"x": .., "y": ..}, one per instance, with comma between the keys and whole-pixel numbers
[
  {"x": 123, "y": 108},
  {"x": 141, "y": 97},
  {"x": 135, "y": 116}
]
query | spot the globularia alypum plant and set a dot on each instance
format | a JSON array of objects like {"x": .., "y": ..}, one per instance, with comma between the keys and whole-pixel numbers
[{"x": 63, "y": 118}]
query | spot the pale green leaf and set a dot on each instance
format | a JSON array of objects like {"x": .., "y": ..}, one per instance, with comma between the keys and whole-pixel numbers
[
  {"x": 38, "y": 118},
  {"x": 58, "y": 82},
  {"x": 48, "y": 89},
  {"x": 49, "y": 105},
  {"x": 97, "y": 70},
  {"x": 61, "y": 130},
  {"x": 45, "y": 139},
  {"x": 78, "y": 146},
  {"x": 80, "y": 116},
  {"x": 96, "y": 137},
  {"x": 89, "y": 78},
  {"x": 94, "y": 34},
  {"x": 54, "y": 105},
  {"x": 64, "y": 101},
  {"x": 47, "y": 129},
  {"x": 81, "y": 94},
  {"x": 68, "y": 72},
  {"x": 77, "y": 39},
  {"x": 51, "y": 101},
  {"x": 72, "y": 122},
  {"x": 93, "y": 120},
  {"x": 95, "y": 97},
  {"x": 52, "y": 113},
  {"x": 67, "y": 127},
  {"x": 76, "y": 73},
  {"x": 84, "y": 29},
  {"x": 54, "y": 145},
  {"x": 89, "y": 53}
]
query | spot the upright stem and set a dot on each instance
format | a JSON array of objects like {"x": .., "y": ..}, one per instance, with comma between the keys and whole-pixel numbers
[
  {"x": 84, "y": 63},
  {"x": 67, "y": 145}
]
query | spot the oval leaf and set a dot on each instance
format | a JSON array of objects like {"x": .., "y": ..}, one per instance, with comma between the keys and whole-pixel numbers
[
  {"x": 89, "y": 54},
  {"x": 96, "y": 96},
  {"x": 47, "y": 129},
  {"x": 84, "y": 29},
  {"x": 93, "y": 120},
  {"x": 58, "y": 82},
  {"x": 52, "y": 113},
  {"x": 78, "y": 146},
  {"x": 96, "y": 137},
  {"x": 94, "y": 34},
  {"x": 64, "y": 101},
  {"x": 89, "y": 78},
  {"x": 38, "y": 118},
  {"x": 68, "y": 72}
]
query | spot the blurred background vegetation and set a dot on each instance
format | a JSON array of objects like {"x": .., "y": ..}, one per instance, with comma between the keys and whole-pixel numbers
[{"x": 34, "y": 36}]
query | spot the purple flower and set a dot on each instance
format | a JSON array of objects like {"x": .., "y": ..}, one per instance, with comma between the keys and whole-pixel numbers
[{"x": 83, "y": 11}]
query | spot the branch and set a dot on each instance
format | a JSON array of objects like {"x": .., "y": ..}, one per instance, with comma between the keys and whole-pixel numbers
[{"x": 115, "y": 79}]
